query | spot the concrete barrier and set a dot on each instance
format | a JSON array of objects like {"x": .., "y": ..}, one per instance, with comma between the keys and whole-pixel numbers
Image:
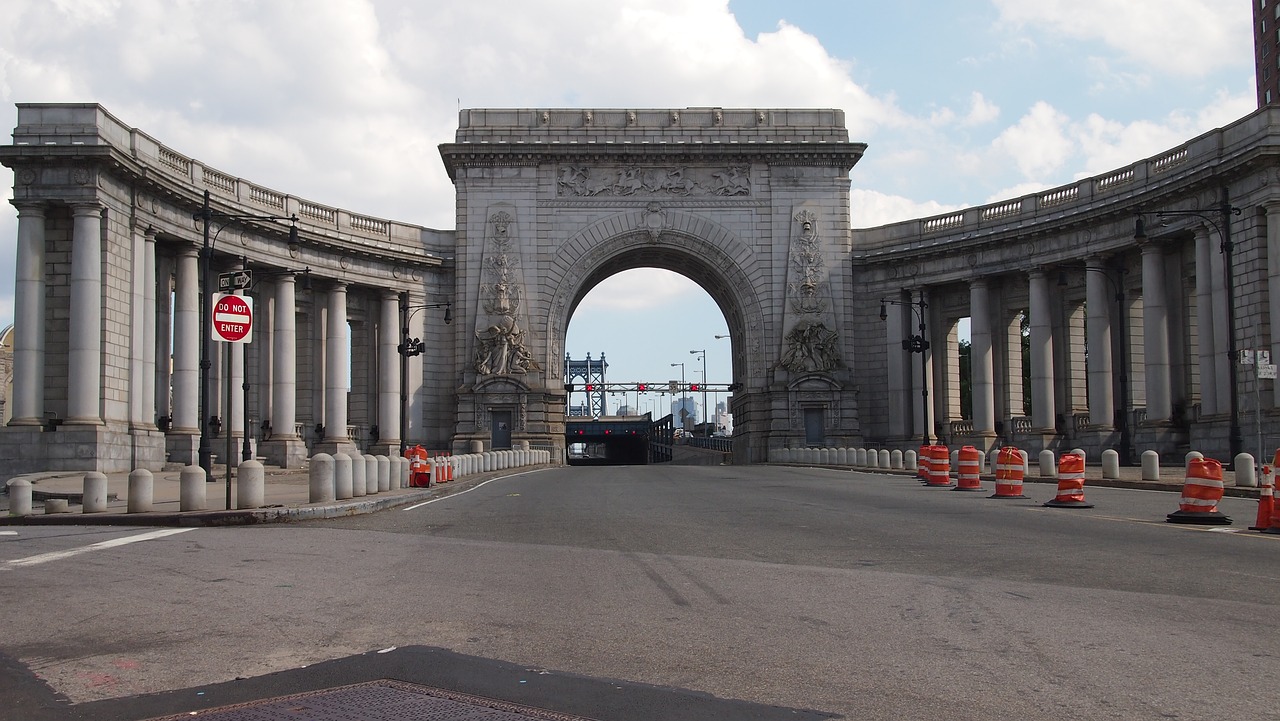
[
  {"x": 370, "y": 475},
  {"x": 384, "y": 473},
  {"x": 251, "y": 489},
  {"x": 1048, "y": 467},
  {"x": 141, "y": 491},
  {"x": 358, "y": 487},
  {"x": 886, "y": 458},
  {"x": 1151, "y": 466},
  {"x": 19, "y": 497},
  {"x": 94, "y": 499},
  {"x": 895, "y": 459},
  {"x": 1110, "y": 464},
  {"x": 192, "y": 482},
  {"x": 342, "y": 483},
  {"x": 1246, "y": 471},
  {"x": 910, "y": 462},
  {"x": 55, "y": 505},
  {"x": 320, "y": 488}
]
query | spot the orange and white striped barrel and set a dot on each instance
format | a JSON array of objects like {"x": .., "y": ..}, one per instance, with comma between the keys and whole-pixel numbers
[
  {"x": 922, "y": 464},
  {"x": 939, "y": 466},
  {"x": 1010, "y": 470},
  {"x": 969, "y": 471},
  {"x": 1201, "y": 492},
  {"x": 1070, "y": 483}
]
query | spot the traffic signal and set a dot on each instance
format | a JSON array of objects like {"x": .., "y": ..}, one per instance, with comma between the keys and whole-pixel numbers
[
  {"x": 590, "y": 387},
  {"x": 642, "y": 387},
  {"x": 694, "y": 387}
]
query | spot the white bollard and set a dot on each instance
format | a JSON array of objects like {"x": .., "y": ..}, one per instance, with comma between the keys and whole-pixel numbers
[
  {"x": 1245, "y": 471},
  {"x": 141, "y": 491},
  {"x": 95, "y": 492},
  {"x": 993, "y": 459},
  {"x": 1151, "y": 466},
  {"x": 342, "y": 483},
  {"x": 358, "y": 487},
  {"x": 402, "y": 472},
  {"x": 895, "y": 459},
  {"x": 886, "y": 458},
  {"x": 860, "y": 457},
  {"x": 1048, "y": 468},
  {"x": 19, "y": 497},
  {"x": 909, "y": 461},
  {"x": 873, "y": 458},
  {"x": 1026, "y": 463},
  {"x": 384, "y": 473},
  {"x": 370, "y": 475},
  {"x": 1196, "y": 455},
  {"x": 251, "y": 489},
  {"x": 1110, "y": 464},
  {"x": 191, "y": 489},
  {"x": 320, "y": 478}
]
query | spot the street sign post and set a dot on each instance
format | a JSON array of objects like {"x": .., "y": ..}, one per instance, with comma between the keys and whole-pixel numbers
[
  {"x": 232, "y": 318},
  {"x": 235, "y": 280}
]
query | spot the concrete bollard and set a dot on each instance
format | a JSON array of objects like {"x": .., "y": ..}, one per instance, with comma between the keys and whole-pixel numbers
[
  {"x": 55, "y": 505},
  {"x": 251, "y": 485},
  {"x": 141, "y": 491},
  {"x": 873, "y": 458},
  {"x": 320, "y": 479},
  {"x": 191, "y": 489},
  {"x": 824, "y": 456},
  {"x": 1110, "y": 464},
  {"x": 477, "y": 446},
  {"x": 910, "y": 462},
  {"x": 1246, "y": 472},
  {"x": 993, "y": 460},
  {"x": 1026, "y": 463},
  {"x": 402, "y": 472},
  {"x": 1048, "y": 468},
  {"x": 370, "y": 475},
  {"x": 895, "y": 459},
  {"x": 886, "y": 458},
  {"x": 384, "y": 473},
  {"x": 860, "y": 457},
  {"x": 1150, "y": 466},
  {"x": 95, "y": 493},
  {"x": 358, "y": 487},
  {"x": 1191, "y": 455},
  {"x": 342, "y": 483},
  {"x": 1080, "y": 452},
  {"x": 19, "y": 497}
]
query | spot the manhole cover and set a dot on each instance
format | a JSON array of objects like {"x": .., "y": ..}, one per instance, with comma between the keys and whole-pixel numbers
[{"x": 383, "y": 700}]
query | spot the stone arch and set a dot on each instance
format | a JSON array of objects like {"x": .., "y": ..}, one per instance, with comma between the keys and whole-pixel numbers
[{"x": 686, "y": 243}]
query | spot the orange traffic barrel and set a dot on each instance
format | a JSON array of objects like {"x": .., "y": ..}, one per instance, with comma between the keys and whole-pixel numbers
[
  {"x": 1010, "y": 470},
  {"x": 939, "y": 467},
  {"x": 969, "y": 473},
  {"x": 922, "y": 464},
  {"x": 1201, "y": 492},
  {"x": 1070, "y": 483}
]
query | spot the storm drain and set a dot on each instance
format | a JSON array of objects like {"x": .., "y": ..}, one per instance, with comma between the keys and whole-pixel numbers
[{"x": 383, "y": 700}]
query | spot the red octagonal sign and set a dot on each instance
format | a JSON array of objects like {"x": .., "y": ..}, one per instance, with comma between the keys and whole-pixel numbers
[{"x": 232, "y": 318}]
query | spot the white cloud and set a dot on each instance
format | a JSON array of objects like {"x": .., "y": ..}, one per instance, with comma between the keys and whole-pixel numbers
[
  {"x": 1180, "y": 37},
  {"x": 1040, "y": 142},
  {"x": 641, "y": 289},
  {"x": 981, "y": 110},
  {"x": 871, "y": 208}
]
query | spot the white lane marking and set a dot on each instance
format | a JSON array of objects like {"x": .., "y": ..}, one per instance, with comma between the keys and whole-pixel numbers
[
  {"x": 459, "y": 493},
  {"x": 101, "y": 545},
  {"x": 8, "y": 533}
]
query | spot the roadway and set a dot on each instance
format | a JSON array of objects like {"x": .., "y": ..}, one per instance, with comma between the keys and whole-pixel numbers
[{"x": 710, "y": 591}]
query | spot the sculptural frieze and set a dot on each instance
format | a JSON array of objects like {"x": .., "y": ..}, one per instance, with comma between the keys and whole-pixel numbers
[
  {"x": 631, "y": 180},
  {"x": 500, "y": 341},
  {"x": 807, "y": 289},
  {"x": 811, "y": 347}
]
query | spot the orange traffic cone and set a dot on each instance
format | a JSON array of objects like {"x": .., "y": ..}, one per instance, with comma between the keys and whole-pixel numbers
[
  {"x": 1201, "y": 492},
  {"x": 939, "y": 467},
  {"x": 1009, "y": 472},
  {"x": 1070, "y": 483},
  {"x": 1266, "y": 500},
  {"x": 968, "y": 475}
]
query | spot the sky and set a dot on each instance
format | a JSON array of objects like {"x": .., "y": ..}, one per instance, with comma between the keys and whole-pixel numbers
[{"x": 344, "y": 102}]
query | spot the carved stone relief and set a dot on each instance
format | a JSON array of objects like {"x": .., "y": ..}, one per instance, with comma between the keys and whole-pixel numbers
[
  {"x": 500, "y": 346},
  {"x": 630, "y": 180},
  {"x": 810, "y": 346}
]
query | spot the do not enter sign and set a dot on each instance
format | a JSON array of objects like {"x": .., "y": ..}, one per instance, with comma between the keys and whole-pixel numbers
[{"x": 232, "y": 318}]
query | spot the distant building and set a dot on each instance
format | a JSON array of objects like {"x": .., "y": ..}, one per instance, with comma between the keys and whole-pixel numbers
[{"x": 1266, "y": 50}]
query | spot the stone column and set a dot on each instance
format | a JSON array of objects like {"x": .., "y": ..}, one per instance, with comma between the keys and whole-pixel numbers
[
  {"x": 1102, "y": 408},
  {"x": 982, "y": 370},
  {"x": 186, "y": 344},
  {"x": 163, "y": 349},
  {"x": 1221, "y": 329},
  {"x": 84, "y": 342},
  {"x": 898, "y": 362},
  {"x": 389, "y": 371},
  {"x": 1155, "y": 334},
  {"x": 335, "y": 377},
  {"x": 27, "y": 403},
  {"x": 1206, "y": 319},
  {"x": 1273, "y": 290},
  {"x": 1042, "y": 408},
  {"x": 149, "y": 322},
  {"x": 285, "y": 448}
]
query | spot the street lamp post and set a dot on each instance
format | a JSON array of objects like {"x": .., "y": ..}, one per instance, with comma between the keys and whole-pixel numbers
[
  {"x": 684, "y": 397},
  {"x": 208, "y": 215},
  {"x": 1225, "y": 210},
  {"x": 411, "y": 347},
  {"x": 706, "y": 427},
  {"x": 916, "y": 344}
]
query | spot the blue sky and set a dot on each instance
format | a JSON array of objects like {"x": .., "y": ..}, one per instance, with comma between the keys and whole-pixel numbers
[{"x": 344, "y": 101}]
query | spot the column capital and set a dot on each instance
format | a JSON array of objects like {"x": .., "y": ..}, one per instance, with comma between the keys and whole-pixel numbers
[
  {"x": 86, "y": 207},
  {"x": 30, "y": 207}
]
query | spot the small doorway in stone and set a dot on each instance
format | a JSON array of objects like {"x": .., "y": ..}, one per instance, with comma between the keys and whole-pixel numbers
[
  {"x": 501, "y": 439},
  {"x": 814, "y": 432}
]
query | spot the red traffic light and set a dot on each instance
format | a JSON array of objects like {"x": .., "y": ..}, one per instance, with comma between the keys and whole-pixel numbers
[
  {"x": 590, "y": 387},
  {"x": 693, "y": 387},
  {"x": 642, "y": 387}
]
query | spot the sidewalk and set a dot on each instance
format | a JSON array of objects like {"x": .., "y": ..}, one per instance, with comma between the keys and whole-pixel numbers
[{"x": 286, "y": 498}]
